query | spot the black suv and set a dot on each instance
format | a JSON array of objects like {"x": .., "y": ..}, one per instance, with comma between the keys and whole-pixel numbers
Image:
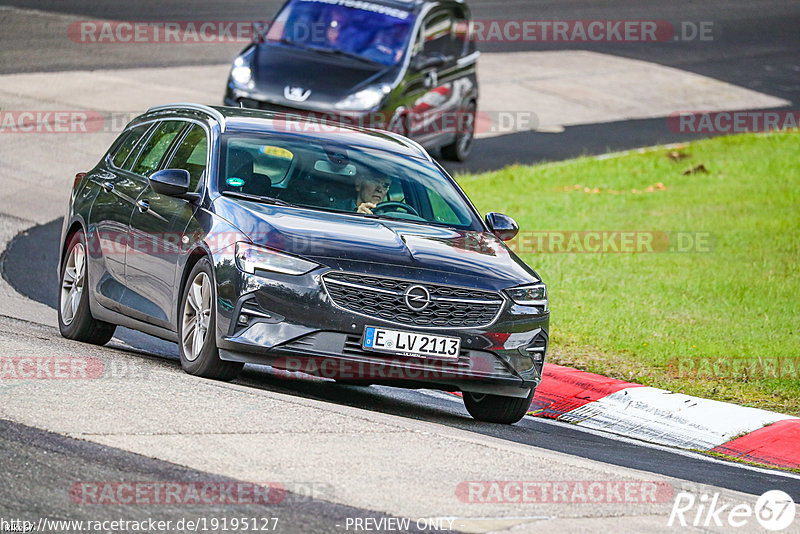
[{"x": 405, "y": 66}]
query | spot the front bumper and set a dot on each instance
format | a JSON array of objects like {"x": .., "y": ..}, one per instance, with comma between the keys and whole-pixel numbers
[
  {"x": 380, "y": 120},
  {"x": 291, "y": 323}
]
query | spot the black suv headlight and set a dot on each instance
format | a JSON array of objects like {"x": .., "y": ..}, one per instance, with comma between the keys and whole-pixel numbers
[
  {"x": 530, "y": 295},
  {"x": 255, "y": 259}
]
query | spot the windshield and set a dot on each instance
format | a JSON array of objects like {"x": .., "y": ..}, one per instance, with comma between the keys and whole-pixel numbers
[
  {"x": 370, "y": 31},
  {"x": 336, "y": 177}
]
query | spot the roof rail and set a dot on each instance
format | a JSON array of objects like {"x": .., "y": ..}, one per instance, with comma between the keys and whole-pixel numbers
[{"x": 208, "y": 110}]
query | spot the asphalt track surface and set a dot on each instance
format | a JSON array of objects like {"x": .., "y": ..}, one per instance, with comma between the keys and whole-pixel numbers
[
  {"x": 55, "y": 462},
  {"x": 755, "y": 46},
  {"x": 29, "y": 265}
]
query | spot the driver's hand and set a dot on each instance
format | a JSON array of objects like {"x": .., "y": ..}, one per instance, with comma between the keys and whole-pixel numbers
[{"x": 366, "y": 207}]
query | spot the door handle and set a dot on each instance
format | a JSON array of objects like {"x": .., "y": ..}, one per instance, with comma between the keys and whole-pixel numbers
[
  {"x": 143, "y": 206},
  {"x": 107, "y": 187}
]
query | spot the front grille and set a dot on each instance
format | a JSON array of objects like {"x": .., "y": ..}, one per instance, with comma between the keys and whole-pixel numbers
[{"x": 384, "y": 298}]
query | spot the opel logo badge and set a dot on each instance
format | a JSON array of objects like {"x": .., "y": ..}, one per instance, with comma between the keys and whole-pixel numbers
[{"x": 417, "y": 298}]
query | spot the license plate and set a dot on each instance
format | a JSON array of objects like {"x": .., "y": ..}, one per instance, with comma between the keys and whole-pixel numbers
[{"x": 411, "y": 343}]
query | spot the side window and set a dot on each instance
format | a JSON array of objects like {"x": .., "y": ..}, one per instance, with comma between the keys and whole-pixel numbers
[
  {"x": 192, "y": 155},
  {"x": 157, "y": 146},
  {"x": 124, "y": 149},
  {"x": 442, "y": 211},
  {"x": 439, "y": 36},
  {"x": 461, "y": 33}
]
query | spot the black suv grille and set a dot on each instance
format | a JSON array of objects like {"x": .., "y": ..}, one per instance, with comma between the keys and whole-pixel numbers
[{"x": 384, "y": 298}]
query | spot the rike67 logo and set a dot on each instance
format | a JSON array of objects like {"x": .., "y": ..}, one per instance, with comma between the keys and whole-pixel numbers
[{"x": 774, "y": 511}]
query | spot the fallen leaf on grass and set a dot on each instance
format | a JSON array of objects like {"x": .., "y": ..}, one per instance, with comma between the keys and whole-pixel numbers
[
  {"x": 674, "y": 155},
  {"x": 695, "y": 170}
]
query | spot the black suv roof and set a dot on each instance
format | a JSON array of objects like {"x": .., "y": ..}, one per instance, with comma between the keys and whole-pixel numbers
[{"x": 247, "y": 119}]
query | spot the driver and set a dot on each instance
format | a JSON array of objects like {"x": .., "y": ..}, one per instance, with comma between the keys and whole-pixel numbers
[{"x": 370, "y": 192}]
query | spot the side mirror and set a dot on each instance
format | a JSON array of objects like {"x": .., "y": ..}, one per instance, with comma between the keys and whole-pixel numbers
[
  {"x": 171, "y": 182},
  {"x": 503, "y": 226},
  {"x": 435, "y": 61}
]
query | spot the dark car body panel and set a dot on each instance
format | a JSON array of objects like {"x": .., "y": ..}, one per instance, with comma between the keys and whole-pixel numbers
[
  {"x": 275, "y": 65},
  {"x": 138, "y": 261}
]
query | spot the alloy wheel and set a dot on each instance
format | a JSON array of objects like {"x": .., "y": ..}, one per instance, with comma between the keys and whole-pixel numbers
[
  {"x": 196, "y": 316},
  {"x": 72, "y": 283}
]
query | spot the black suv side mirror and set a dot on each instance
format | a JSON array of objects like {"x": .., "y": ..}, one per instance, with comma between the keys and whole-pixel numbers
[
  {"x": 503, "y": 226},
  {"x": 173, "y": 183},
  {"x": 421, "y": 62}
]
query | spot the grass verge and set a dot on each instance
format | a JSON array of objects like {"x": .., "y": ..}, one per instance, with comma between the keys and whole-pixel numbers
[{"x": 710, "y": 307}]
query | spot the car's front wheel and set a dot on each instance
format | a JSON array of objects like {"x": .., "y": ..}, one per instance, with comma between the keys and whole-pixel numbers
[
  {"x": 197, "y": 328},
  {"x": 75, "y": 319},
  {"x": 496, "y": 408}
]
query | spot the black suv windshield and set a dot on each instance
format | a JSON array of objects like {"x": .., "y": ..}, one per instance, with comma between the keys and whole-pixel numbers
[
  {"x": 367, "y": 30},
  {"x": 334, "y": 177}
]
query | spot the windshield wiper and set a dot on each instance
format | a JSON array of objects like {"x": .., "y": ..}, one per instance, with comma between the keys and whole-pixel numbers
[
  {"x": 338, "y": 52},
  {"x": 284, "y": 40},
  {"x": 257, "y": 198}
]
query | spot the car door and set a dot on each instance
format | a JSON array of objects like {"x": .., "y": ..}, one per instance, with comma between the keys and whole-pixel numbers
[
  {"x": 433, "y": 94},
  {"x": 157, "y": 226},
  {"x": 107, "y": 228}
]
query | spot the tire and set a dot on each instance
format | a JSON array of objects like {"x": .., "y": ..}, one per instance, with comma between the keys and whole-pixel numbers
[
  {"x": 75, "y": 319},
  {"x": 496, "y": 408},
  {"x": 460, "y": 149},
  {"x": 199, "y": 354}
]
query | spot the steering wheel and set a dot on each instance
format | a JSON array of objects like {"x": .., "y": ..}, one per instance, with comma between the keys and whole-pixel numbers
[{"x": 386, "y": 206}]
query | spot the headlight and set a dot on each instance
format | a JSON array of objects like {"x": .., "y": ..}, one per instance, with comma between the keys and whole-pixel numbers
[
  {"x": 241, "y": 73},
  {"x": 366, "y": 99},
  {"x": 532, "y": 295},
  {"x": 253, "y": 258}
]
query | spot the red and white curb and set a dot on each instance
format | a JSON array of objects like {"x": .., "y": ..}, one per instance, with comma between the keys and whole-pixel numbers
[{"x": 673, "y": 419}]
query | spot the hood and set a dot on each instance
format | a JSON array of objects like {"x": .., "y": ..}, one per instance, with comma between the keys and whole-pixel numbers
[
  {"x": 381, "y": 246},
  {"x": 329, "y": 78}
]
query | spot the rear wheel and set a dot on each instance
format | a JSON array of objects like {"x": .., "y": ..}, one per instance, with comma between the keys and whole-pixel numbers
[
  {"x": 197, "y": 328},
  {"x": 496, "y": 408},
  {"x": 75, "y": 319},
  {"x": 461, "y": 147}
]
